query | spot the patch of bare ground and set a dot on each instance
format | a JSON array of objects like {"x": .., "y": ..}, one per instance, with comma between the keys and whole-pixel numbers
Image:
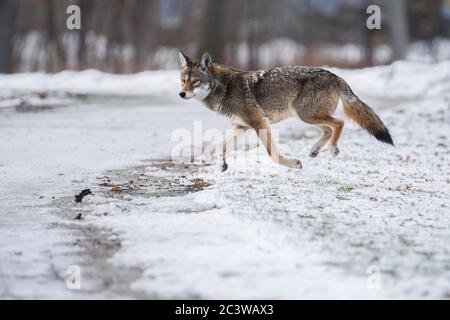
[{"x": 176, "y": 180}]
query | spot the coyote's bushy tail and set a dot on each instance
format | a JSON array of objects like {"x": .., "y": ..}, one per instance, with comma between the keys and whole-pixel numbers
[{"x": 362, "y": 114}]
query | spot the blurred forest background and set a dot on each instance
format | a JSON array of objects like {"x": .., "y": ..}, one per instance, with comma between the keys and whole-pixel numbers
[{"x": 126, "y": 36}]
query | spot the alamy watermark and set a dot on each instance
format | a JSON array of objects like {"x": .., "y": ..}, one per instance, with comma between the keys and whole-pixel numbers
[
  {"x": 73, "y": 21},
  {"x": 73, "y": 280},
  {"x": 373, "y": 22},
  {"x": 210, "y": 145}
]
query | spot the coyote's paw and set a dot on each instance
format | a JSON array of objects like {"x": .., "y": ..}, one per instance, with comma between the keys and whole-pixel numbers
[
  {"x": 314, "y": 153},
  {"x": 224, "y": 167},
  {"x": 291, "y": 163},
  {"x": 334, "y": 151}
]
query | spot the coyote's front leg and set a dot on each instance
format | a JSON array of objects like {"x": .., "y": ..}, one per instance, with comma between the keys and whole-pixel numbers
[
  {"x": 262, "y": 129},
  {"x": 224, "y": 145},
  {"x": 211, "y": 151}
]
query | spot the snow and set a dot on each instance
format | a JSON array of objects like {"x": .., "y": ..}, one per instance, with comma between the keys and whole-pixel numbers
[
  {"x": 262, "y": 231},
  {"x": 285, "y": 51},
  {"x": 154, "y": 83},
  {"x": 402, "y": 79},
  {"x": 54, "y": 153},
  {"x": 259, "y": 230}
]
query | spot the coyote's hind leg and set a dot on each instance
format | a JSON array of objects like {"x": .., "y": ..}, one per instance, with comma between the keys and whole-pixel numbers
[
  {"x": 326, "y": 134},
  {"x": 316, "y": 108},
  {"x": 336, "y": 124},
  {"x": 337, "y": 130},
  {"x": 262, "y": 129}
]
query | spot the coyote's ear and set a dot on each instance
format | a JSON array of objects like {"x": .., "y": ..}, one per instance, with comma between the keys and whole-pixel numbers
[
  {"x": 184, "y": 60},
  {"x": 205, "y": 61}
]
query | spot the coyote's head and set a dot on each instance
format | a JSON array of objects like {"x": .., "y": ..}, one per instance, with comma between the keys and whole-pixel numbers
[{"x": 196, "y": 79}]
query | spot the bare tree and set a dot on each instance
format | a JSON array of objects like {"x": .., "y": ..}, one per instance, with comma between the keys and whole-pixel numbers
[
  {"x": 213, "y": 29},
  {"x": 253, "y": 26},
  {"x": 57, "y": 59},
  {"x": 8, "y": 10},
  {"x": 398, "y": 28}
]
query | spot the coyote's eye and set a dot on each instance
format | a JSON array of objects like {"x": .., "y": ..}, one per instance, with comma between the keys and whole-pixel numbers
[
  {"x": 183, "y": 81},
  {"x": 196, "y": 82}
]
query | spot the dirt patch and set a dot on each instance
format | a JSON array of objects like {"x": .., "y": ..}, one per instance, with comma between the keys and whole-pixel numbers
[{"x": 148, "y": 182}]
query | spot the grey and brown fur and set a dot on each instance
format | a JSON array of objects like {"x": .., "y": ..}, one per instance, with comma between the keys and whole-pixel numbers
[{"x": 254, "y": 99}]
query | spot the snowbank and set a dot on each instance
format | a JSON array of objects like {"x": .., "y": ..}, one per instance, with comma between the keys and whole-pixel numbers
[
  {"x": 401, "y": 79},
  {"x": 158, "y": 83}
]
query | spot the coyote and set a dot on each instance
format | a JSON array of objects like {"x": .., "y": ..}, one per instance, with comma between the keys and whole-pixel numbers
[{"x": 253, "y": 99}]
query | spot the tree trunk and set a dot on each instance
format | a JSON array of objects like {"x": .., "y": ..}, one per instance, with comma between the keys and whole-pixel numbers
[
  {"x": 252, "y": 36},
  {"x": 213, "y": 29},
  {"x": 8, "y": 10},
  {"x": 56, "y": 56},
  {"x": 82, "y": 54},
  {"x": 398, "y": 28}
]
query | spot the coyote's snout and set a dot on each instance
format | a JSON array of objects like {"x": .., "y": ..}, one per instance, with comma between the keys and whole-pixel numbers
[{"x": 254, "y": 99}]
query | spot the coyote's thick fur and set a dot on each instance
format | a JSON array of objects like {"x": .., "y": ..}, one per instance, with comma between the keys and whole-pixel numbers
[{"x": 253, "y": 99}]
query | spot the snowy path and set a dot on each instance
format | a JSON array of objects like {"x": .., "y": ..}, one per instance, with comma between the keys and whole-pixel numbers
[{"x": 48, "y": 154}]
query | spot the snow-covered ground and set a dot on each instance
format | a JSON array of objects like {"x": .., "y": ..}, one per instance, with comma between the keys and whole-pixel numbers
[{"x": 373, "y": 222}]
